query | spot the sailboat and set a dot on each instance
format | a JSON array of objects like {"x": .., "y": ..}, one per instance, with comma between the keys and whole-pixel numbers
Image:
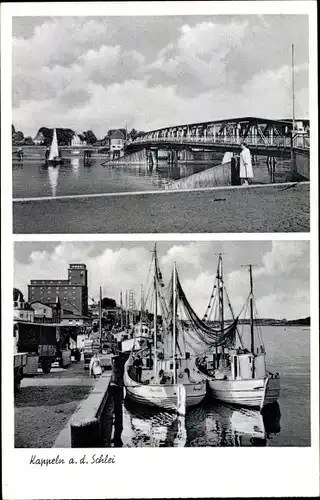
[
  {"x": 236, "y": 374},
  {"x": 172, "y": 384},
  {"x": 53, "y": 158}
]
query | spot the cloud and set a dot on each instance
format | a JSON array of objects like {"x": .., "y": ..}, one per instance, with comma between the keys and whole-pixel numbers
[
  {"x": 97, "y": 73},
  {"x": 281, "y": 277}
]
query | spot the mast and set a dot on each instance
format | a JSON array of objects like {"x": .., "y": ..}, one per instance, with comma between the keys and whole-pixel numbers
[
  {"x": 174, "y": 333},
  {"x": 155, "y": 328},
  {"x": 251, "y": 310},
  {"x": 126, "y": 306},
  {"x": 121, "y": 309},
  {"x": 293, "y": 90},
  {"x": 100, "y": 315},
  {"x": 221, "y": 296},
  {"x": 141, "y": 305}
]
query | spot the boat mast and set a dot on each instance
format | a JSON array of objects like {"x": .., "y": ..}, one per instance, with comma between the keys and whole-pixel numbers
[
  {"x": 155, "y": 312},
  {"x": 126, "y": 306},
  {"x": 155, "y": 328},
  {"x": 100, "y": 315},
  {"x": 293, "y": 96},
  {"x": 221, "y": 297},
  {"x": 174, "y": 333},
  {"x": 121, "y": 311},
  {"x": 141, "y": 306},
  {"x": 251, "y": 309}
]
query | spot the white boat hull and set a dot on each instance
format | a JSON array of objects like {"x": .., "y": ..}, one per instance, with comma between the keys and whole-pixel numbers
[
  {"x": 195, "y": 393},
  {"x": 252, "y": 392},
  {"x": 163, "y": 395}
]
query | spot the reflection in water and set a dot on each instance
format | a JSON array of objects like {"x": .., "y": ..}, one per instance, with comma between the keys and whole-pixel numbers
[
  {"x": 75, "y": 164},
  {"x": 92, "y": 175},
  {"x": 53, "y": 174},
  {"x": 209, "y": 424},
  {"x": 79, "y": 176}
]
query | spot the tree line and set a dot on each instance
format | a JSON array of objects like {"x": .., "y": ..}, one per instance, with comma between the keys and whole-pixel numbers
[{"x": 64, "y": 136}]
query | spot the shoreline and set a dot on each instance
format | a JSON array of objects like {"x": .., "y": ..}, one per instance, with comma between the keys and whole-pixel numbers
[
  {"x": 256, "y": 208},
  {"x": 155, "y": 191}
]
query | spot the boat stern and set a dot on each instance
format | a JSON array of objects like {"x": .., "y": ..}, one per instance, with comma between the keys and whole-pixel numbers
[{"x": 271, "y": 390}]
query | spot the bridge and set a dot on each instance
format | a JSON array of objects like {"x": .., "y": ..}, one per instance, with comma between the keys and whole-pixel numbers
[{"x": 264, "y": 136}]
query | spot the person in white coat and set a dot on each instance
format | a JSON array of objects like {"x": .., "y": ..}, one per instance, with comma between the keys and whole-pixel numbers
[
  {"x": 95, "y": 366},
  {"x": 246, "y": 171}
]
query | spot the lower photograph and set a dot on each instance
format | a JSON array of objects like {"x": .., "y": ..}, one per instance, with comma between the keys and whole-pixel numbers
[{"x": 161, "y": 344}]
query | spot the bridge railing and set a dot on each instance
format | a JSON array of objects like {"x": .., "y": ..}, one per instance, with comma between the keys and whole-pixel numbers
[
  {"x": 301, "y": 141},
  {"x": 277, "y": 141}
]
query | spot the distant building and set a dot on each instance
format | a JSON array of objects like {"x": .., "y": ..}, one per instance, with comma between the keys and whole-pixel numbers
[
  {"x": 22, "y": 311},
  {"x": 117, "y": 141},
  {"x": 69, "y": 319},
  {"x": 47, "y": 313},
  {"x": 72, "y": 293},
  {"x": 76, "y": 141},
  {"x": 39, "y": 139}
]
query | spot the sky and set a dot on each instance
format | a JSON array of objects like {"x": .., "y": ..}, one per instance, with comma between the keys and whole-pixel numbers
[
  {"x": 149, "y": 72},
  {"x": 281, "y": 270}
]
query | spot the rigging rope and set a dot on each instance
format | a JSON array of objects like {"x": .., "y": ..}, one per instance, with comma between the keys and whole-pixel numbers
[{"x": 208, "y": 335}]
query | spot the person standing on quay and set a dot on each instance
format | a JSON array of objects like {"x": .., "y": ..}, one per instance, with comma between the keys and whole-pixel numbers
[
  {"x": 246, "y": 171},
  {"x": 95, "y": 366}
]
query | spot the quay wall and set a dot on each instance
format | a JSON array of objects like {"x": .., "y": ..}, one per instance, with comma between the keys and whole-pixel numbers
[
  {"x": 91, "y": 424},
  {"x": 220, "y": 175},
  {"x": 98, "y": 419},
  {"x": 137, "y": 158},
  {"x": 301, "y": 163}
]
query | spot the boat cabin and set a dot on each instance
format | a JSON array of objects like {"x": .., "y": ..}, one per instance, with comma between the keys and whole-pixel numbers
[
  {"x": 141, "y": 330},
  {"x": 238, "y": 365}
]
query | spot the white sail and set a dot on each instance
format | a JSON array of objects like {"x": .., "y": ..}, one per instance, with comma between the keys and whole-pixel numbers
[{"x": 54, "y": 151}]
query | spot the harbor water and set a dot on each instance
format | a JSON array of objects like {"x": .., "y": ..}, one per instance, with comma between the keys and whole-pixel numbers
[
  {"x": 213, "y": 424},
  {"x": 33, "y": 178}
]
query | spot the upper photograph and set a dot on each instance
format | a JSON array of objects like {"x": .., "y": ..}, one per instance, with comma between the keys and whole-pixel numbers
[{"x": 160, "y": 124}]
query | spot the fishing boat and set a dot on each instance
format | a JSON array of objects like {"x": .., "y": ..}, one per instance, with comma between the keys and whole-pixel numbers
[
  {"x": 235, "y": 373},
  {"x": 171, "y": 381},
  {"x": 53, "y": 158}
]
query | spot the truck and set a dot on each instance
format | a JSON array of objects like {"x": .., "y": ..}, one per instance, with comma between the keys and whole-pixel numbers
[
  {"x": 19, "y": 362},
  {"x": 42, "y": 344}
]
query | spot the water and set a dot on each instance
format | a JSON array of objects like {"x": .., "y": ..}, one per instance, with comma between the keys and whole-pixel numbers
[
  {"x": 214, "y": 424},
  {"x": 32, "y": 178}
]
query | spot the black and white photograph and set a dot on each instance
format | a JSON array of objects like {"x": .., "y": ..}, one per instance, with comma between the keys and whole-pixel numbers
[
  {"x": 190, "y": 344},
  {"x": 177, "y": 124},
  {"x": 159, "y": 258}
]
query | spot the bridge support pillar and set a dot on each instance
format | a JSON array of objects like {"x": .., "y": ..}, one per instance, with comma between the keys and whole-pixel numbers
[
  {"x": 154, "y": 157},
  {"x": 172, "y": 156}
]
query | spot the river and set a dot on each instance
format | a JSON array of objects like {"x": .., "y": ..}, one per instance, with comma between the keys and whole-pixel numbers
[
  {"x": 33, "y": 178},
  {"x": 212, "y": 424}
]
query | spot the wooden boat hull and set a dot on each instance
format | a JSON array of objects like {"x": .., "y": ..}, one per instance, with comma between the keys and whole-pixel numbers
[
  {"x": 252, "y": 393},
  {"x": 195, "y": 393},
  {"x": 163, "y": 395}
]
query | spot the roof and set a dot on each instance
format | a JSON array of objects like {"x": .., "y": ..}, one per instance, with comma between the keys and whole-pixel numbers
[
  {"x": 39, "y": 137},
  {"x": 42, "y": 303},
  {"x": 117, "y": 135}
]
